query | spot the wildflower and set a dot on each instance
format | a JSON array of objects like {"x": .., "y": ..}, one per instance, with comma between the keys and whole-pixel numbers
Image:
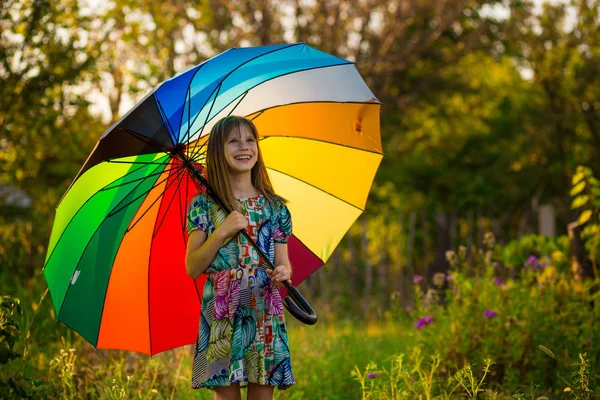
[
  {"x": 496, "y": 264},
  {"x": 448, "y": 277},
  {"x": 423, "y": 321},
  {"x": 489, "y": 313},
  {"x": 373, "y": 375},
  {"x": 498, "y": 281},
  {"x": 489, "y": 240},
  {"x": 532, "y": 260},
  {"x": 438, "y": 279},
  {"x": 451, "y": 257},
  {"x": 462, "y": 252},
  {"x": 417, "y": 278}
]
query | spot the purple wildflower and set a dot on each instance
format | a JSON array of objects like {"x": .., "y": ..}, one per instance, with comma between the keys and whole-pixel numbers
[
  {"x": 423, "y": 321},
  {"x": 489, "y": 313},
  {"x": 373, "y": 375},
  {"x": 417, "y": 278},
  {"x": 498, "y": 281},
  {"x": 448, "y": 277},
  {"x": 496, "y": 264},
  {"x": 542, "y": 265},
  {"x": 532, "y": 260}
]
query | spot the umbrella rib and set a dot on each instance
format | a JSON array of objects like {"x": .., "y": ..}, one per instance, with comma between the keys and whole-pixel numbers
[
  {"x": 265, "y": 81},
  {"x": 179, "y": 176},
  {"x": 207, "y": 114},
  {"x": 114, "y": 161},
  {"x": 134, "y": 223},
  {"x": 367, "y": 103},
  {"x": 227, "y": 76},
  {"x": 138, "y": 179},
  {"x": 160, "y": 107},
  {"x": 322, "y": 141},
  {"x": 138, "y": 197},
  {"x": 316, "y": 187},
  {"x": 164, "y": 118},
  {"x": 84, "y": 250},
  {"x": 100, "y": 190},
  {"x": 181, "y": 212},
  {"x": 146, "y": 139},
  {"x": 200, "y": 148}
]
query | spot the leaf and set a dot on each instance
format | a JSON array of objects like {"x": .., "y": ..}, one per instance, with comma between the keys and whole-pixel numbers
[
  {"x": 547, "y": 351},
  {"x": 204, "y": 336},
  {"x": 282, "y": 375},
  {"x": 244, "y": 332},
  {"x": 578, "y": 177},
  {"x": 280, "y": 349},
  {"x": 220, "y": 340},
  {"x": 579, "y": 201},
  {"x": 264, "y": 240},
  {"x": 584, "y": 217},
  {"x": 255, "y": 365},
  {"x": 577, "y": 188}
]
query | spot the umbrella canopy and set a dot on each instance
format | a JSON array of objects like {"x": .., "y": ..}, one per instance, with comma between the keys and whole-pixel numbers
[{"x": 115, "y": 265}]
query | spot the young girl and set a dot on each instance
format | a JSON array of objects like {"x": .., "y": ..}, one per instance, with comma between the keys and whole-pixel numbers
[{"x": 242, "y": 338}]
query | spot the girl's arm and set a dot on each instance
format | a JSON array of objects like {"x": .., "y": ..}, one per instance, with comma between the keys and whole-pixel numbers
[
  {"x": 283, "y": 269},
  {"x": 202, "y": 250}
]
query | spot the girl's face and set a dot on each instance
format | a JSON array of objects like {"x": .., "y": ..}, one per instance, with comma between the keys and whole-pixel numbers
[{"x": 241, "y": 149}]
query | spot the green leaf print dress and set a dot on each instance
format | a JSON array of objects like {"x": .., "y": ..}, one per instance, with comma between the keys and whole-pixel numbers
[{"x": 242, "y": 334}]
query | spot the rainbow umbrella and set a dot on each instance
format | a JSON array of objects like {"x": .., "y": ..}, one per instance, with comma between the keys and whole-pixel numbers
[{"x": 115, "y": 265}]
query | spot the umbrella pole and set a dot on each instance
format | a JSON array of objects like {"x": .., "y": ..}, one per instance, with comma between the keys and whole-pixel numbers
[{"x": 295, "y": 303}]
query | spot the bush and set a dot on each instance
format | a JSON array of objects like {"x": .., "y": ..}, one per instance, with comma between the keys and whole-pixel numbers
[{"x": 534, "y": 325}]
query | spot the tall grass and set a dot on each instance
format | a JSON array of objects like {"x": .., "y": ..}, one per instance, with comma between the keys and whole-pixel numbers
[{"x": 489, "y": 329}]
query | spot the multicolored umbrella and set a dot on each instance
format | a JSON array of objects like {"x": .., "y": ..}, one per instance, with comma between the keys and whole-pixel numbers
[{"x": 115, "y": 265}]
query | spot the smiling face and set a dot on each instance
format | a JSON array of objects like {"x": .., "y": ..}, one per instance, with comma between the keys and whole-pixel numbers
[{"x": 241, "y": 149}]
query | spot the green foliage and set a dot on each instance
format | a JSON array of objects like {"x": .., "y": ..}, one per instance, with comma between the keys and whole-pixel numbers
[
  {"x": 586, "y": 199},
  {"x": 516, "y": 253},
  {"x": 9, "y": 328}
]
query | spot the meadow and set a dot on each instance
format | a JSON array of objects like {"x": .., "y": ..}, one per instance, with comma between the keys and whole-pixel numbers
[{"x": 510, "y": 324}]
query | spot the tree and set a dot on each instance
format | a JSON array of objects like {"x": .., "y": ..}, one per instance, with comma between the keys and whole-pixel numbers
[{"x": 46, "y": 50}]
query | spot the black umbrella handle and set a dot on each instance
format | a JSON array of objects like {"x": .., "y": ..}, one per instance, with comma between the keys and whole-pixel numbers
[{"x": 294, "y": 302}]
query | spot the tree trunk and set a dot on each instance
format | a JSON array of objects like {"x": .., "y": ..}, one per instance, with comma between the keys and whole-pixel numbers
[
  {"x": 408, "y": 278},
  {"x": 546, "y": 220},
  {"x": 453, "y": 223},
  {"x": 396, "y": 272},
  {"x": 383, "y": 266},
  {"x": 368, "y": 267},
  {"x": 442, "y": 243},
  {"x": 581, "y": 265},
  {"x": 426, "y": 244},
  {"x": 352, "y": 270},
  {"x": 470, "y": 233}
]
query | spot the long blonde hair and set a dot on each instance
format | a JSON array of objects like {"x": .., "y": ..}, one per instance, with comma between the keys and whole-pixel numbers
[{"x": 216, "y": 165}]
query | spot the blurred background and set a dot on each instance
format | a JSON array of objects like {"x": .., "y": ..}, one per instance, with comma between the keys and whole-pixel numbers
[{"x": 485, "y": 200}]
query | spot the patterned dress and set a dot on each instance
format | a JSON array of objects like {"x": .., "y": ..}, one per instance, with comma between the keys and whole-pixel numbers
[{"x": 242, "y": 334}]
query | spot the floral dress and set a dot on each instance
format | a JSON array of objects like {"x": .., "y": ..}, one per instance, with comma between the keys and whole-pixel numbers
[{"x": 242, "y": 334}]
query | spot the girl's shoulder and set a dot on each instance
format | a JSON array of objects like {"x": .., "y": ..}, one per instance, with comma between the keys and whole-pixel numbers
[{"x": 200, "y": 200}]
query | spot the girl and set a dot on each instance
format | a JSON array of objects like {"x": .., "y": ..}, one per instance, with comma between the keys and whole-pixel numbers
[{"x": 242, "y": 340}]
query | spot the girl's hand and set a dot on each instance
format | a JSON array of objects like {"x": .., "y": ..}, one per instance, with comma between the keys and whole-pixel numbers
[
  {"x": 281, "y": 273},
  {"x": 234, "y": 223}
]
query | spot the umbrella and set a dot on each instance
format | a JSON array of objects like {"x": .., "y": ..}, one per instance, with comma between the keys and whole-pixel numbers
[{"x": 115, "y": 265}]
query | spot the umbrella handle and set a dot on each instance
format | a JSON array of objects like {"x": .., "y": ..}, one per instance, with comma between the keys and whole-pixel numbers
[
  {"x": 297, "y": 305},
  {"x": 294, "y": 302}
]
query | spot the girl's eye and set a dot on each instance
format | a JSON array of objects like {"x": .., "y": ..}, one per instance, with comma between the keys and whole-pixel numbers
[{"x": 233, "y": 141}]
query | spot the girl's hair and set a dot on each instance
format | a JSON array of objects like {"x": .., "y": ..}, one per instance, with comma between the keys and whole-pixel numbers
[{"x": 216, "y": 165}]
